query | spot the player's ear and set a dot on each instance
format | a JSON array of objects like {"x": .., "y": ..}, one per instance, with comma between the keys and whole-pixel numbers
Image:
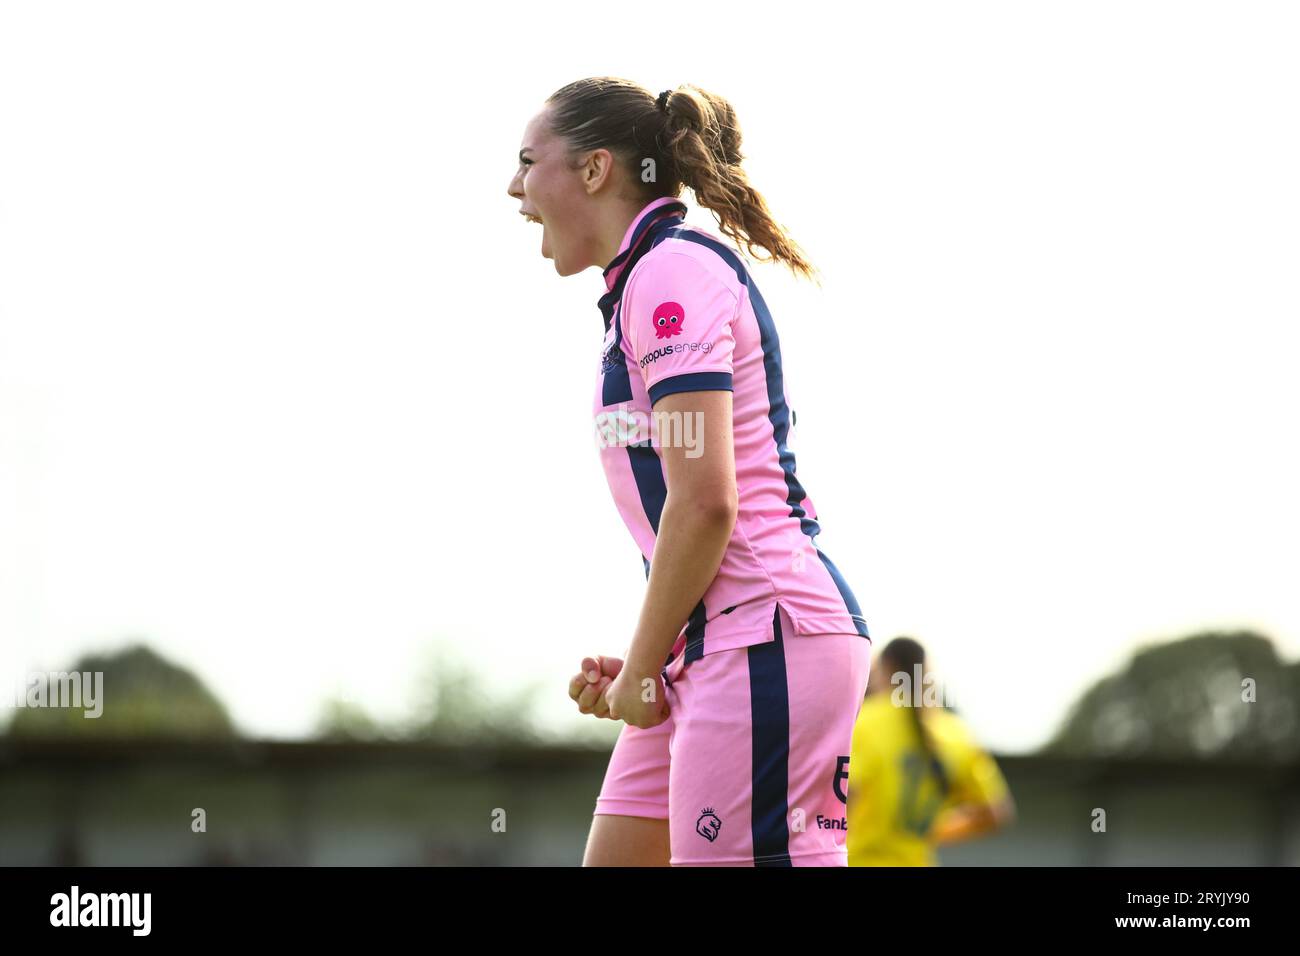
[{"x": 597, "y": 169}]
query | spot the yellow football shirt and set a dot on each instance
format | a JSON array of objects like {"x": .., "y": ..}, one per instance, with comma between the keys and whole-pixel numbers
[{"x": 893, "y": 796}]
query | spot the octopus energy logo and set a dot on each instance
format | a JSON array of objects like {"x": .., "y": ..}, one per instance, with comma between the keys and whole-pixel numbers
[
  {"x": 623, "y": 425},
  {"x": 668, "y": 319}
]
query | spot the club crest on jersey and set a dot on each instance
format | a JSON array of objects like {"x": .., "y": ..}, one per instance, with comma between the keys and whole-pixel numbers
[
  {"x": 612, "y": 358},
  {"x": 708, "y": 824},
  {"x": 668, "y": 318}
]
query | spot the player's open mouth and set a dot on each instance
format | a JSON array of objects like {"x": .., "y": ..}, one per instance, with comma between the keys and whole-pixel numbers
[{"x": 546, "y": 247}]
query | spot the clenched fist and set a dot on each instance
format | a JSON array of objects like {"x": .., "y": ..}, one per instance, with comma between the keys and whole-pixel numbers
[{"x": 588, "y": 687}]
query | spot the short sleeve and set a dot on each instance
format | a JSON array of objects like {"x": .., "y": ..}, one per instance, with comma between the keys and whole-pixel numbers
[
  {"x": 978, "y": 777},
  {"x": 677, "y": 319},
  {"x": 985, "y": 780}
]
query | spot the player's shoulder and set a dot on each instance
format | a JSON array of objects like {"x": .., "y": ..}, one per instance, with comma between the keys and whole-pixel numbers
[
  {"x": 691, "y": 254},
  {"x": 947, "y": 727},
  {"x": 944, "y": 720}
]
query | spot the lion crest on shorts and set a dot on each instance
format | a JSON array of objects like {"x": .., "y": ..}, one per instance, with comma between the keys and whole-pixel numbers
[{"x": 708, "y": 824}]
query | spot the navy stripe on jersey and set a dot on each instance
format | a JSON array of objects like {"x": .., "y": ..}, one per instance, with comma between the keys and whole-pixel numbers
[
  {"x": 850, "y": 602},
  {"x": 616, "y": 387},
  {"x": 778, "y": 411},
  {"x": 695, "y": 634},
  {"x": 769, "y": 708},
  {"x": 690, "y": 382},
  {"x": 650, "y": 484}
]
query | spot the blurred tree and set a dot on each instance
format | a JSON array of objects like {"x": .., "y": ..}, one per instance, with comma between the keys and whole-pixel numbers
[
  {"x": 142, "y": 695},
  {"x": 450, "y": 707},
  {"x": 341, "y": 719},
  {"x": 1191, "y": 698}
]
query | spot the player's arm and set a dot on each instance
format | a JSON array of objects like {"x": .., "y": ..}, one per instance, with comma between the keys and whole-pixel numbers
[
  {"x": 984, "y": 803},
  {"x": 696, "y": 522},
  {"x": 695, "y": 525},
  {"x": 968, "y": 820},
  {"x": 677, "y": 319}
]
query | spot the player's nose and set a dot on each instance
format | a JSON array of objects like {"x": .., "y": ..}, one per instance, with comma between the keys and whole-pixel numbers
[{"x": 514, "y": 190}]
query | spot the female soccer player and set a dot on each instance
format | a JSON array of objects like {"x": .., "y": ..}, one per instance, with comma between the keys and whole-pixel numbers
[
  {"x": 750, "y": 656},
  {"x": 917, "y": 776}
]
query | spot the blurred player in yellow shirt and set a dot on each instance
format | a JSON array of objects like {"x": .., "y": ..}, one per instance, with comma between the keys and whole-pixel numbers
[{"x": 917, "y": 777}]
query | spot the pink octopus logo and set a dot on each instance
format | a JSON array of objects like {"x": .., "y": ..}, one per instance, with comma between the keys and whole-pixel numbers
[{"x": 668, "y": 319}]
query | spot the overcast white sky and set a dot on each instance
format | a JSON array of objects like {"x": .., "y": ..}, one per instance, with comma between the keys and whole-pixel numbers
[{"x": 288, "y": 391}]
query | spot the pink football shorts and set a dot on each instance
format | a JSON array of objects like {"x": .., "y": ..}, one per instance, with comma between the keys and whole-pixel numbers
[{"x": 751, "y": 766}]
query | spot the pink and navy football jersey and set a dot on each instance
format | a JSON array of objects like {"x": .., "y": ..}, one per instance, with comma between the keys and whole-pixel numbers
[{"x": 682, "y": 313}]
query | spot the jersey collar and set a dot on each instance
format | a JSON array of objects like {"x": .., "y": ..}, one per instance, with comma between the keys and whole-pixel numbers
[{"x": 652, "y": 212}]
